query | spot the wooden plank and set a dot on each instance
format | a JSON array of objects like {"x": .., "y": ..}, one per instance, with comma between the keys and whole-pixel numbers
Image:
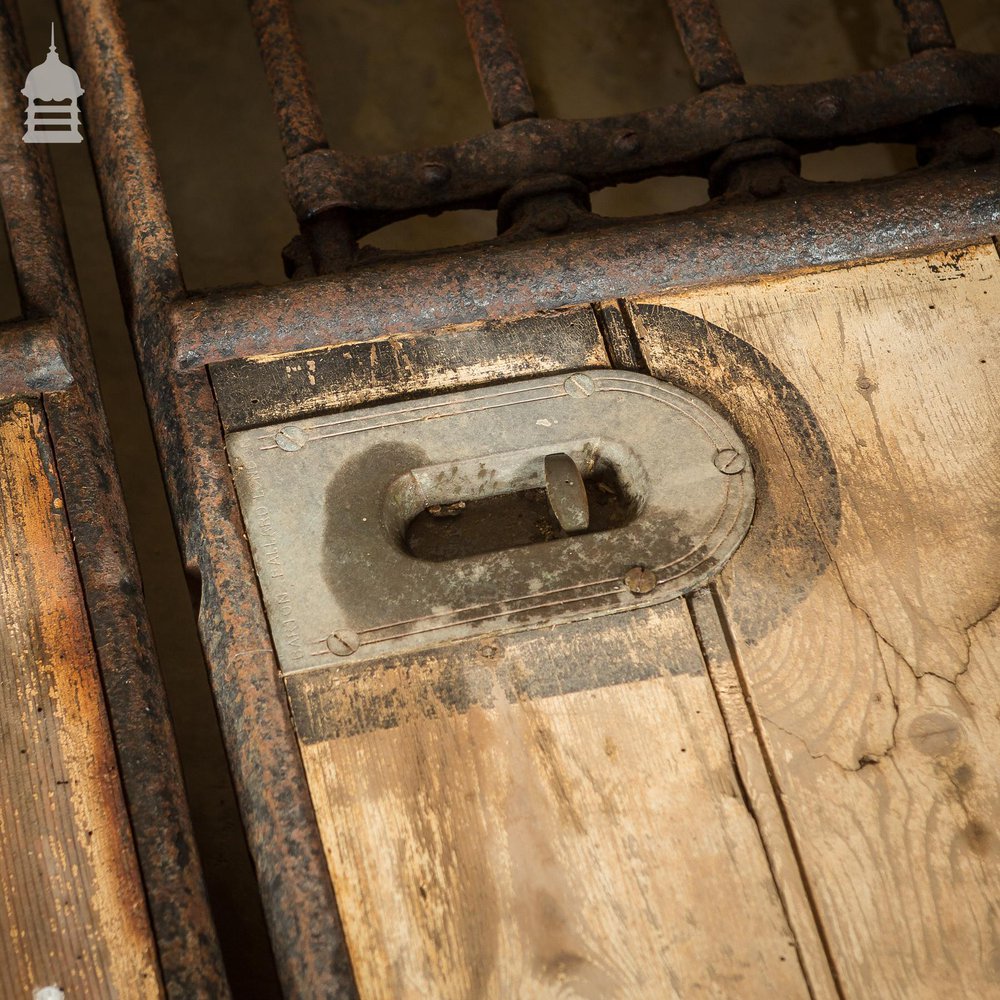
[
  {"x": 264, "y": 390},
  {"x": 862, "y": 604},
  {"x": 72, "y": 911},
  {"x": 591, "y": 842}
]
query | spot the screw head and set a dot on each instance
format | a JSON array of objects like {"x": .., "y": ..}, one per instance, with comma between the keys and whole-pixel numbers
[
  {"x": 489, "y": 649},
  {"x": 628, "y": 142},
  {"x": 290, "y": 438},
  {"x": 730, "y": 461},
  {"x": 864, "y": 383},
  {"x": 434, "y": 174},
  {"x": 640, "y": 581},
  {"x": 343, "y": 642},
  {"x": 579, "y": 386}
]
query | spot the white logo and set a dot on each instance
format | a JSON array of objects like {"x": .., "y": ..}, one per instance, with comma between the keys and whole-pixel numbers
[{"x": 53, "y": 89}]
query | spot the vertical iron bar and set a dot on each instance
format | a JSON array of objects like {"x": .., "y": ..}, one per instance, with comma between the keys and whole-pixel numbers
[
  {"x": 706, "y": 45},
  {"x": 329, "y": 237},
  {"x": 250, "y": 699},
  {"x": 925, "y": 24},
  {"x": 498, "y": 63},
  {"x": 292, "y": 92}
]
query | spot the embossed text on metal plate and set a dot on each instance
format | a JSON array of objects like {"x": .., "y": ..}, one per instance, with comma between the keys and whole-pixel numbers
[{"x": 331, "y": 505}]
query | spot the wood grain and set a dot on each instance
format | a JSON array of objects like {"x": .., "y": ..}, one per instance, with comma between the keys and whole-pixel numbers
[
  {"x": 862, "y": 604},
  {"x": 72, "y": 912},
  {"x": 264, "y": 390},
  {"x": 585, "y": 844}
]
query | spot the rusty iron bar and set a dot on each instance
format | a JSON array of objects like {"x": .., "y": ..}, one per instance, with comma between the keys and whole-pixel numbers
[
  {"x": 705, "y": 43},
  {"x": 253, "y": 711},
  {"x": 498, "y": 62},
  {"x": 295, "y": 103},
  {"x": 761, "y": 166},
  {"x": 882, "y": 105},
  {"x": 329, "y": 238},
  {"x": 828, "y": 224},
  {"x": 926, "y": 25},
  {"x": 188, "y": 952},
  {"x": 31, "y": 359}
]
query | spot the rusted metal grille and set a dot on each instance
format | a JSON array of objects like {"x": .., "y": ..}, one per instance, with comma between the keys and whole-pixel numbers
[
  {"x": 551, "y": 250},
  {"x": 45, "y": 355},
  {"x": 538, "y": 173}
]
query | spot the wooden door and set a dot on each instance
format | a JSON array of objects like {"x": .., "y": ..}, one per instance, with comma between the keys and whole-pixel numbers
[{"x": 784, "y": 783}]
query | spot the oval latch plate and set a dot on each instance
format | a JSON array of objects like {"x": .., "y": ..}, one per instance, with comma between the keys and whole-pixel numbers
[{"x": 327, "y": 501}]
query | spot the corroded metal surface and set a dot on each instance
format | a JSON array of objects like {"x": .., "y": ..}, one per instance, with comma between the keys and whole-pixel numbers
[
  {"x": 888, "y": 105},
  {"x": 832, "y": 224},
  {"x": 253, "y": 714}
]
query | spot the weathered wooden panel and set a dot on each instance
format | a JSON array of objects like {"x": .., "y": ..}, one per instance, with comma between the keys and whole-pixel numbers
[
  {"x": 589, "y": 841},
  {"x": 863, "y": 603},
  {"x": 265, "y": 390},
  {"x": 72, "y": 912}
]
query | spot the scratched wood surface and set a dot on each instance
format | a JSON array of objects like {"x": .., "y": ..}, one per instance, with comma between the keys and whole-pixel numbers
[
  {"x": 596, "y": 843},
  {"x": 72, "y": 912},
  {"x": 862, "y": 607},
  {"x": 264, "y": 390}
]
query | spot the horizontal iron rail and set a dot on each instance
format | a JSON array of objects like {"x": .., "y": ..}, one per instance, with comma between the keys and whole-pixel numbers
[
  {"x": 889, "y": 104},
  {"x": 831, "y": 224}
]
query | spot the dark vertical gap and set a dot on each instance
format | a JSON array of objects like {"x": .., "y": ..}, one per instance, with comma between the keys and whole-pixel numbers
[
  {"x": 740, "y": 672},
  {"x": 619, "y": 335}
]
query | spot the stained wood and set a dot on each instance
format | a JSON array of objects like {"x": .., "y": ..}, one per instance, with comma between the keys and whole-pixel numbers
[
  {"x": 591, "y": 841},
  {"x": 264, "y": 390},
  {"x": 72, "y": 913},
  {"x": 862, "y": 605}
]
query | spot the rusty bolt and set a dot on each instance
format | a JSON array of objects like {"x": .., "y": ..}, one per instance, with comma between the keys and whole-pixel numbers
[
  {"x": 579, "y": 386},
  {"x": 290, "y": 438},
  {"x": 343, "y": 642},
  {"x": 829, "y": 107},
  {"x": 730, "y": 461},
  {"x": 435, "y": 174},
  {"x": 640, "y": 581},
  {"x": 628, "y": 142}
]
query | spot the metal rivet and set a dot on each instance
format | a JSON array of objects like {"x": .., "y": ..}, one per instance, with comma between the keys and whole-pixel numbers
[
  {"x": 579, "y": 386},
  {"x": 435, "y": 173},
  {"x": 628, "y": 142},
  {"x": 730, "y": 461},
  {"x": 343, "y": 642},
  {"x": 290, "y": 438},
  {"x": 829, "y": 107},
  {"x": 640, "y": 581}
]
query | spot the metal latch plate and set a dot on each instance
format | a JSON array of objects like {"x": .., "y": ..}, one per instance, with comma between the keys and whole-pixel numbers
[{"x": 326, "y": 502}]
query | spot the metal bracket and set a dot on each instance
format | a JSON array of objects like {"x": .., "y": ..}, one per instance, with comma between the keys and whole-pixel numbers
[{"x": 328, "y": 502}]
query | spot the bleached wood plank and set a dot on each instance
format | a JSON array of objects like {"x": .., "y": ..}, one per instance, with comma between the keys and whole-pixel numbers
[
  {"x": 855, "y": 600},
  {"x": 591, "y": 843},
  {"x": 72, "y": 912}
]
